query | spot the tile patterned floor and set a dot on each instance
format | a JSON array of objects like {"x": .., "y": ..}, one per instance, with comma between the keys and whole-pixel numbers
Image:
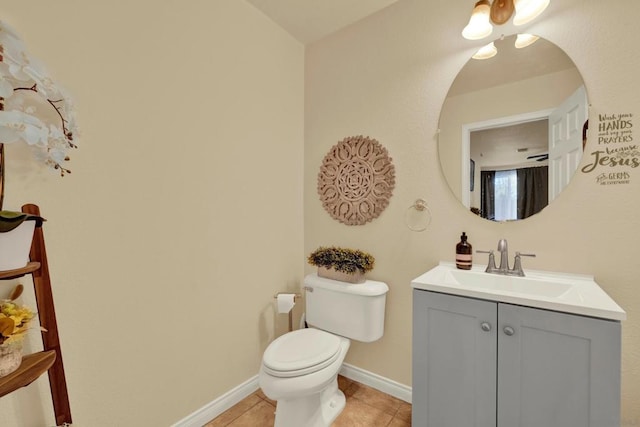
[{"x": 366, "y": 407}]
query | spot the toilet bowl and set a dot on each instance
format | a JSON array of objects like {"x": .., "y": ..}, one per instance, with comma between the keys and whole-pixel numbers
[{"x": 300, "y": 369}]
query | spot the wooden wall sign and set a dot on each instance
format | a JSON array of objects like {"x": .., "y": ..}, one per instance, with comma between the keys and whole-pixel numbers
[
  {"x": 356, "y": 180},
  {"x": 616, "y": 154}
]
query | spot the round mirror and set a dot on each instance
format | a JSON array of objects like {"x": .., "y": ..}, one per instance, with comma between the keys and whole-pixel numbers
[{"x": 512, "y": 129}]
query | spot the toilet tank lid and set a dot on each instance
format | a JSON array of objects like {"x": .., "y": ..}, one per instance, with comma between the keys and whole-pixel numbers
[{"x": 368, "y": 288}]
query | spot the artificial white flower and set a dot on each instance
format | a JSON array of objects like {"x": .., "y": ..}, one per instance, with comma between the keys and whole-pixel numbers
[
  {"x": 18, "y": 126},
  {"x": 58, "y": 155},
  {"x": 18, "y": 67},
  {"x": 14, "y": 102},
  {"x": 36, "y": 110},
  {"x": 6, "y": 88},
  {"x": 12, "y": 45},
  {"x": 56, "y": 136},
  {"x": 8, "y": 36}
]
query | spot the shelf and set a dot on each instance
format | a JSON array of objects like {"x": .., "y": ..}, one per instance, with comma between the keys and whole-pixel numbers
[
  {"x": 33, "y": 365},
  {"x": 19, "y": 272},
  {"x": 50, "y": 359}
]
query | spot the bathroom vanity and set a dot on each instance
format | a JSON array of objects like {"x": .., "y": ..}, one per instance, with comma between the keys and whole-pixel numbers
[{"x": 492, "y": 350}]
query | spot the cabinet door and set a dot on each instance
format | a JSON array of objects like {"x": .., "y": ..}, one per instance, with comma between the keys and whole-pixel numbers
[
  {"x": 454, "y": 361},
  {"x": 557, "y": 370}
]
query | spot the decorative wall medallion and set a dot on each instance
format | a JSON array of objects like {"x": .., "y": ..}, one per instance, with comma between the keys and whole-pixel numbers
[{"x": 356, "y": 180}]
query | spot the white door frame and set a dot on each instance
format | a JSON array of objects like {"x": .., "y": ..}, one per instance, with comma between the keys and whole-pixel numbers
[{"x": 489, "y": 124}]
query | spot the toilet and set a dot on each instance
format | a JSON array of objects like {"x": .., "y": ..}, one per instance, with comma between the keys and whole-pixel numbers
[{"x": 300, "y": 369}]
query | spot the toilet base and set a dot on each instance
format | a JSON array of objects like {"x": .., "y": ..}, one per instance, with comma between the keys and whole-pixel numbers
[{"x": 315, "y": 410}]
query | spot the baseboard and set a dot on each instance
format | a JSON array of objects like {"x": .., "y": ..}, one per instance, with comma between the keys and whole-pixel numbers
[
  {"x": 219, "y": 405},
  {"x": 385, "y": 385},
  {"x": 230, "y": 398}
]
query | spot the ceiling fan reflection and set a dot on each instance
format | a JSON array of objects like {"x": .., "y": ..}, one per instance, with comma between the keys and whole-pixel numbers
[{"x": 539, "y": 157}]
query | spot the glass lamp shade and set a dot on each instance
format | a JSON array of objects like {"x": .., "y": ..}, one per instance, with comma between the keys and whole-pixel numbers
[
  {"x": 528, "y": 10},
  {"x": 479, "y": 26},
  {"x": 486, "y": 52},
  {"x": 524, "y": 40}
]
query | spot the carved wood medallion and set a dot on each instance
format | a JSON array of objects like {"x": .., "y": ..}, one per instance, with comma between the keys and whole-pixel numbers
[{"x": 356, "y": 180}]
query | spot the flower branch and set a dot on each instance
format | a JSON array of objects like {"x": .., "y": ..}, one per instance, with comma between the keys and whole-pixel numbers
[
  {"x": 24, "y": 118},
  {"x": 65, "y": 131}
]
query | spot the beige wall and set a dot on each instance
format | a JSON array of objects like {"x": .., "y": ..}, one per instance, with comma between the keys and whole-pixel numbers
[
  {"x": 387, "y": 77},
  {"x": 183, "y": 215},
  {"x": 192, "y": 163}
]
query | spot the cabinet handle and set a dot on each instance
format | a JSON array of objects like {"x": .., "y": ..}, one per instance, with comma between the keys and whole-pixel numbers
[
  {"x": 485, "y": 326},
  {"x": 508, "y": 330}
]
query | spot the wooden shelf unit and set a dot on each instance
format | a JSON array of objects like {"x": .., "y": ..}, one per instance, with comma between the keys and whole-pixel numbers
[
  {"x": 32, "y": 366},
  {"x": 49, "y": 360},
  {"x": 19, "y": 272}
]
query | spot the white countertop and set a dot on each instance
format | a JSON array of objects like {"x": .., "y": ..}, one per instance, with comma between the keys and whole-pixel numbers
[{"x": 569, "y": 293}]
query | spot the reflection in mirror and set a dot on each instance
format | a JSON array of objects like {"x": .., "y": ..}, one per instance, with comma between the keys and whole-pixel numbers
[{"x": 511, "y": 130}]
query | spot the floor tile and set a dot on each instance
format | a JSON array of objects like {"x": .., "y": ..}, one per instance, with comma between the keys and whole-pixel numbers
[
  {"x": 359, "y": 414},
  {"x": 344, "y": 383},
  {"x": 397, "y": 422},
  {"x": 366, "y": 407},
  {"x": 375, "y": 398},
  {"x": 262, "y": 414},
  {"x": 235, "y": 411},
  {"x": 404, "y": 412},
  {"x": 262, "y": 396}
]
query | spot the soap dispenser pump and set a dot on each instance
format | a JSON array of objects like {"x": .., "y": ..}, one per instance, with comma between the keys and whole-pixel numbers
[{"x": 463, "y": 253}]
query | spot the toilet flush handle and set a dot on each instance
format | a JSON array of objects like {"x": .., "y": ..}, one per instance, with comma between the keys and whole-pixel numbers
[{"x": 308, "y": 288}]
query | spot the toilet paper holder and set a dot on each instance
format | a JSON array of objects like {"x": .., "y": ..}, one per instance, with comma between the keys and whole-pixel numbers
[
  {"x": 296, "y": 297},
  {"x": 281, "y": 293}
]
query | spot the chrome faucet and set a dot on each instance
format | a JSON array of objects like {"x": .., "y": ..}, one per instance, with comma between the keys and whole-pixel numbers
[
  {"x": 504, "y": 269},
  {"x": 491, "y": 266},
  {"x": 517, "y": 264},
  {"x": 503, "y": 248}
]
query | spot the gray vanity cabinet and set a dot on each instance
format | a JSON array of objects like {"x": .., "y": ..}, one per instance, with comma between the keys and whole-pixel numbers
[{"x": 485, "y": 364}]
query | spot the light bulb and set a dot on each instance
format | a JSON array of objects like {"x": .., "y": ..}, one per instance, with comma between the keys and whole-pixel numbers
[
  {"x": 528, "y": 10},
  {"x": 479, "y": 26},
  {"x": 486, "y": 52},
  {"x": 524, "y": 40}
]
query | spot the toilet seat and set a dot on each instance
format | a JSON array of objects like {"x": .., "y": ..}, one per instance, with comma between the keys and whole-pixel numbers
[{"x": 300, "y": 353}]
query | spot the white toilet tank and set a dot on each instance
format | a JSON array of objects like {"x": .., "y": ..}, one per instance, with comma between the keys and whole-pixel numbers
[{"x": 354, "y": 311}]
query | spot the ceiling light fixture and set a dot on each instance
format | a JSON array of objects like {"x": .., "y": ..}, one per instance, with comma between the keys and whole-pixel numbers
[
  {"x": 499, "y": 12},
  {"x": 490, "y": 50},
  {"x": 486, "y": 52},
  {"x": 479, "y": 26},
  {"x": 524, "y": 40},
  {"x": 528, "y": 10}
]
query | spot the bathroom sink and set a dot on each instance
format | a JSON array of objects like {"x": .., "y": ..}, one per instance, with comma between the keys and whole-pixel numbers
[
  {"x": 570, "y": 293},
  {"x": 544, "y": 287}
]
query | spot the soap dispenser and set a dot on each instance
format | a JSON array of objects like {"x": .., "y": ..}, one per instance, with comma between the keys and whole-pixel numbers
[{"x": 463, "y": 253}]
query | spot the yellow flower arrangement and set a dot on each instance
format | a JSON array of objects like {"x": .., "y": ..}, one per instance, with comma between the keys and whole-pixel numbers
[{"x": 14, "y": 321}]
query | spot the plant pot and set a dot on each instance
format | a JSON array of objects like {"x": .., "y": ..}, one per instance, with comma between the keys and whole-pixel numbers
[
  {"x": 330, "y": 273},
  {"x": 10, "y": 357},
  {"x": 15, "y": 246}
]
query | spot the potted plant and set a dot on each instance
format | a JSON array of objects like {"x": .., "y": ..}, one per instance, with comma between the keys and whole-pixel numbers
[
  {"x": 14, "y": 322},
  {"x": 16, "y": 233},
  {"x": 343, "y": 264},
  {"x": 33, "y": 110}
]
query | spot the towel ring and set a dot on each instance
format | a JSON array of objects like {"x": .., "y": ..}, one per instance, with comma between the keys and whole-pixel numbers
[{"x": 418, "y": 216}]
